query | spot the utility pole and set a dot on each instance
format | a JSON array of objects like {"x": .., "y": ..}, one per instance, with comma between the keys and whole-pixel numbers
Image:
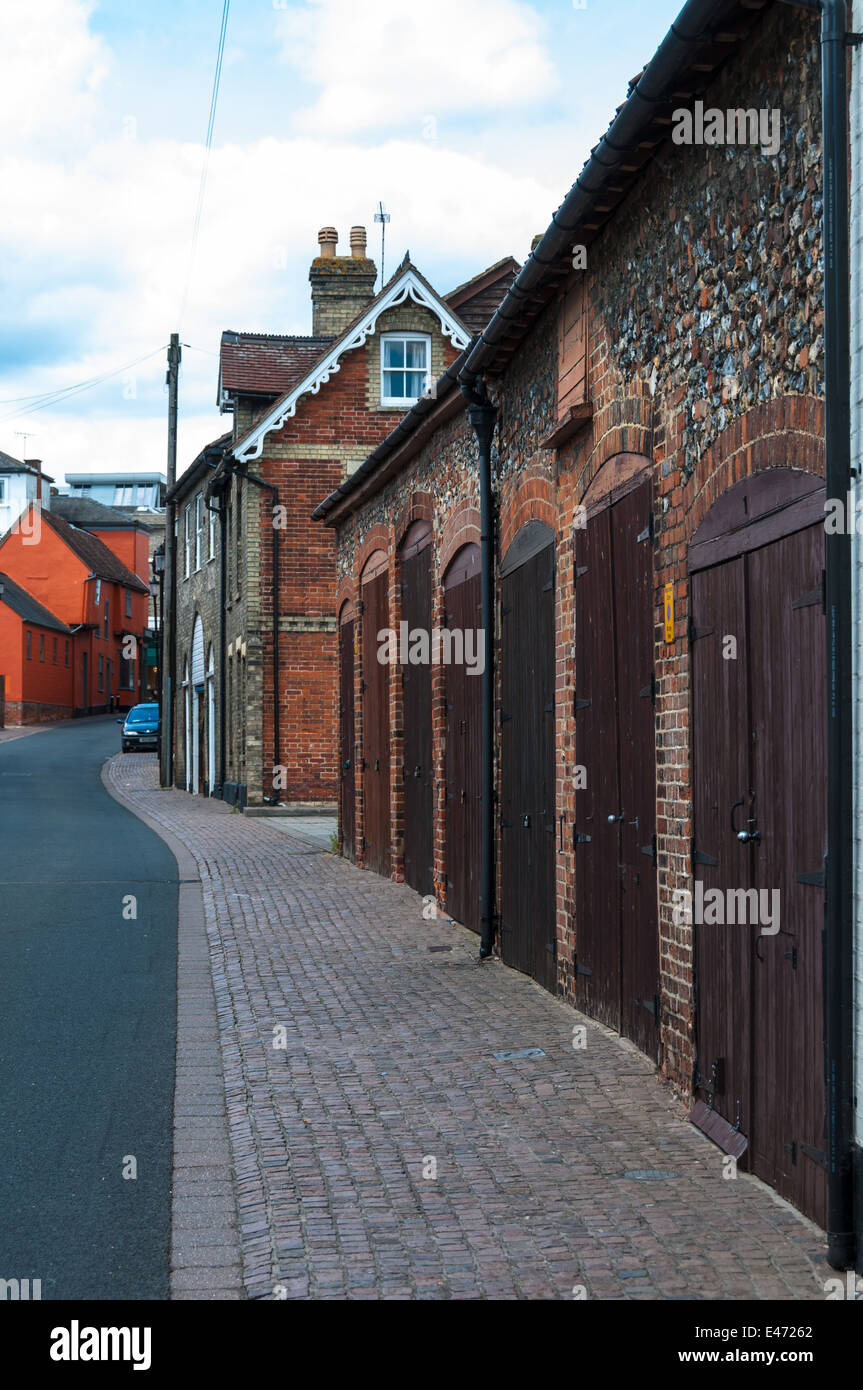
[{"x": 167, "y": 662}]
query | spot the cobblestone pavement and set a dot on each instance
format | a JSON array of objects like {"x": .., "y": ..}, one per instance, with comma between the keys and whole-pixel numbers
[{"x": 575, "y": 1169}]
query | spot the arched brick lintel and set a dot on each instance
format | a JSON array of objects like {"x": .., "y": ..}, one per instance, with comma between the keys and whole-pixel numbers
[
  {"x": 622, "y": 427},
  {"x": 787, "y": 432},
  {"x": 535, "y": 499},
  {"x": 419, "y": 508},
  {"x": 462, "y": 528},
  {"x": 378, "y": 538},
  {"x": 346, "y": 593}
]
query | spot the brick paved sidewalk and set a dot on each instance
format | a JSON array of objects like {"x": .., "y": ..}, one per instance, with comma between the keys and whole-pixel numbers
[{"x": 571, "y": 1169}]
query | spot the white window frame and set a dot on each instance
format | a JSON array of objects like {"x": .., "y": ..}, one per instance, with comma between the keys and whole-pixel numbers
[
  {"x": 2, "y": 491},
  {"x": 212, "y": 516},
  {"x": 199, "y": 528},
  {"x": 404, "y": 402},
  {"x": 187, "y": 535}
]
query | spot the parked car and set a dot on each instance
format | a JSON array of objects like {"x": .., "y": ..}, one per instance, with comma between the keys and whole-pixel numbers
[{"x": 140, "y": 728}]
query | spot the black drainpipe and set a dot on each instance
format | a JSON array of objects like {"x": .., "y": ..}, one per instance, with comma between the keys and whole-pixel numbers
[
  {"x": 838, "y": 923},
  {"x": 482, "y": 415},
  {"x": 277, "y": 743}
]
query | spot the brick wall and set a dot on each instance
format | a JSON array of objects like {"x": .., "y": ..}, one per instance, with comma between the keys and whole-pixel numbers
[
  {"x": 704, "y": 352},
  {"x": 308, "y": 458}
]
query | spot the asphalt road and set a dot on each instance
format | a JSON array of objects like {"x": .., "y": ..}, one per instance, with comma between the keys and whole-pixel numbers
[{"x": 87, "y": 1024}]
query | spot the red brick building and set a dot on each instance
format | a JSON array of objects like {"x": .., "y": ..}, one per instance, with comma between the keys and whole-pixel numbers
[
  {"x": 657, "y": 635},
  {"x": 306, "y": 411}
]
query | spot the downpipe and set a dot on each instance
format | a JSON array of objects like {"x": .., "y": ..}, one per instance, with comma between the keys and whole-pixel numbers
[
  {"x": 838, "y": 923},
  {"x": 234, "y": 467},
  {"x": 483, "y": 416}
]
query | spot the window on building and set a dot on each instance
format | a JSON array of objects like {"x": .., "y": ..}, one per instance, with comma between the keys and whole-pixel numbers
[
  {"x": 41, "y": 646},
  {"x": 187, "y": 534},
  {"x": 54, "y": 651},
  {"x": 2, "y": 490},
  {"x": 66, "y": 655},
  {"x": 145, "y": 496},
  {"x": 124, "y": 495},
  {"x": 127, "y": 673},
  {"x": 128, "y": 603},
  {"x": 199, "y": 529},
  {"x": 98, "y": 591},
  {"x": 28, "y": 643},
  {"x": 212, "y": 516},
  {"x": 101, "y": 673},
  {"x": 405, "y": 367}
]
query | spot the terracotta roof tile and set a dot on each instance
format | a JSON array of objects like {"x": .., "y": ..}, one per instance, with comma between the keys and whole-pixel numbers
[
  {"x": 265, "y": 363},
  {"x": 94, "y": 554}
]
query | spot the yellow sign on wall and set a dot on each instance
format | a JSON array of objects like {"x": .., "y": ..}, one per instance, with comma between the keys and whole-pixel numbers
[{"x": 669, "y": 612}]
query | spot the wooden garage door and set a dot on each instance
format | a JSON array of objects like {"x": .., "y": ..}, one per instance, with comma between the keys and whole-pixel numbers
[
  {"x": 347, "y": 751},
  {"x": 417, "y": 769},
  {"x": 376, "y": 721},
  {"x": 463, "y": 751},
  {"x": 759, "y": 769},
  {"x": 527, "y": 823},
  {"x": 616, "y": 928}
]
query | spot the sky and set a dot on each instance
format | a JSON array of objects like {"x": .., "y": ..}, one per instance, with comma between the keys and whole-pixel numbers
[{"x": 469, "y": 119}]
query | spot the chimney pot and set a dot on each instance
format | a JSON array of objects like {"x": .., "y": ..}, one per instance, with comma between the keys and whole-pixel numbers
[
  {"x": 358, "y": 241},
  {"x": 328, "y": 240}
]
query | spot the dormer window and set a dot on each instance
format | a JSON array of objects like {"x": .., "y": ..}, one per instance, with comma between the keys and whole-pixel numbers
[{"x": 405, "y": 368}]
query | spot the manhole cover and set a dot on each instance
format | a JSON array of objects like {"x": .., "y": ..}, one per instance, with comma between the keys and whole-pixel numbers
[
  {"x": 517, "y": 1053},
  {"x": 440, "y": 948},
  {"x": 649, "y": 1175}
]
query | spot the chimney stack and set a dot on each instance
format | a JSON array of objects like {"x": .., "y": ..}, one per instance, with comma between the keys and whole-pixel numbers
[
  {"x": 342, "y": 286},
  {"x": 37, "y": 465}
]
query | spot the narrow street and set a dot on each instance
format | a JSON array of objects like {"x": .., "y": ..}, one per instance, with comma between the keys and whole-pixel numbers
[
  {"x": 382, "y": 1139},
  {"x": 87, "y": 1025}
]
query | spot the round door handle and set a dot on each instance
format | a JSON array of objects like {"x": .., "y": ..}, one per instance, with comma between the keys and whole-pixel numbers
[
  {"x": 612, "y": 820},
  {"x": 748, "y": 836}
]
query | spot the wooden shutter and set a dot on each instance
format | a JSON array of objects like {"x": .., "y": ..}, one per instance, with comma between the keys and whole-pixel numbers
[{"x": 572, "y": 335}]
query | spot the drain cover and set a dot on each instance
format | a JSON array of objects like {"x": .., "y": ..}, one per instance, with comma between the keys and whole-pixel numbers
[
  {"x": 440, "y": 948},
  {"x": 517, "y": 1053},
  {"x": 649, "y": 1175}
]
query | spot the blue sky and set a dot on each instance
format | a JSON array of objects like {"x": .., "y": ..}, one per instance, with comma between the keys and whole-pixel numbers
[{"x": 469, "y": 118}]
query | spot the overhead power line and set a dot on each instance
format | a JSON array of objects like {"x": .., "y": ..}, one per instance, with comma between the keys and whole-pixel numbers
[
  {"x": 49, "y": 398},
  {"x": 208, "y": 145}
]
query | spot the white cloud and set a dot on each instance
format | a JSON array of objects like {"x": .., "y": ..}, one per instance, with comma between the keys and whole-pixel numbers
[
  {"x": 52, "y": 68},
  {"x": 391, "y": 65},
  {"x": 95, "y": 233}
]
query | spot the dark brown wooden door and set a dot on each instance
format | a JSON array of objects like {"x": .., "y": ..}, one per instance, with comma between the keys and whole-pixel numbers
[
  {"x": 617, "y": 943},
  {"x": 347, "y": 749},
  {"x": 463, "y": 752},
  {"x": 418, "y": 767},
  {"x": 376, "y": 742},
  {"x": 527, "y": 823},
  {"x": 759, "y": 726}
]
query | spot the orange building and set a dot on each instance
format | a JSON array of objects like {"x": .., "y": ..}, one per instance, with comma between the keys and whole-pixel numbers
[
  {"x": 37, "y": 658},
  {"x": 86, "y": 587}
]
